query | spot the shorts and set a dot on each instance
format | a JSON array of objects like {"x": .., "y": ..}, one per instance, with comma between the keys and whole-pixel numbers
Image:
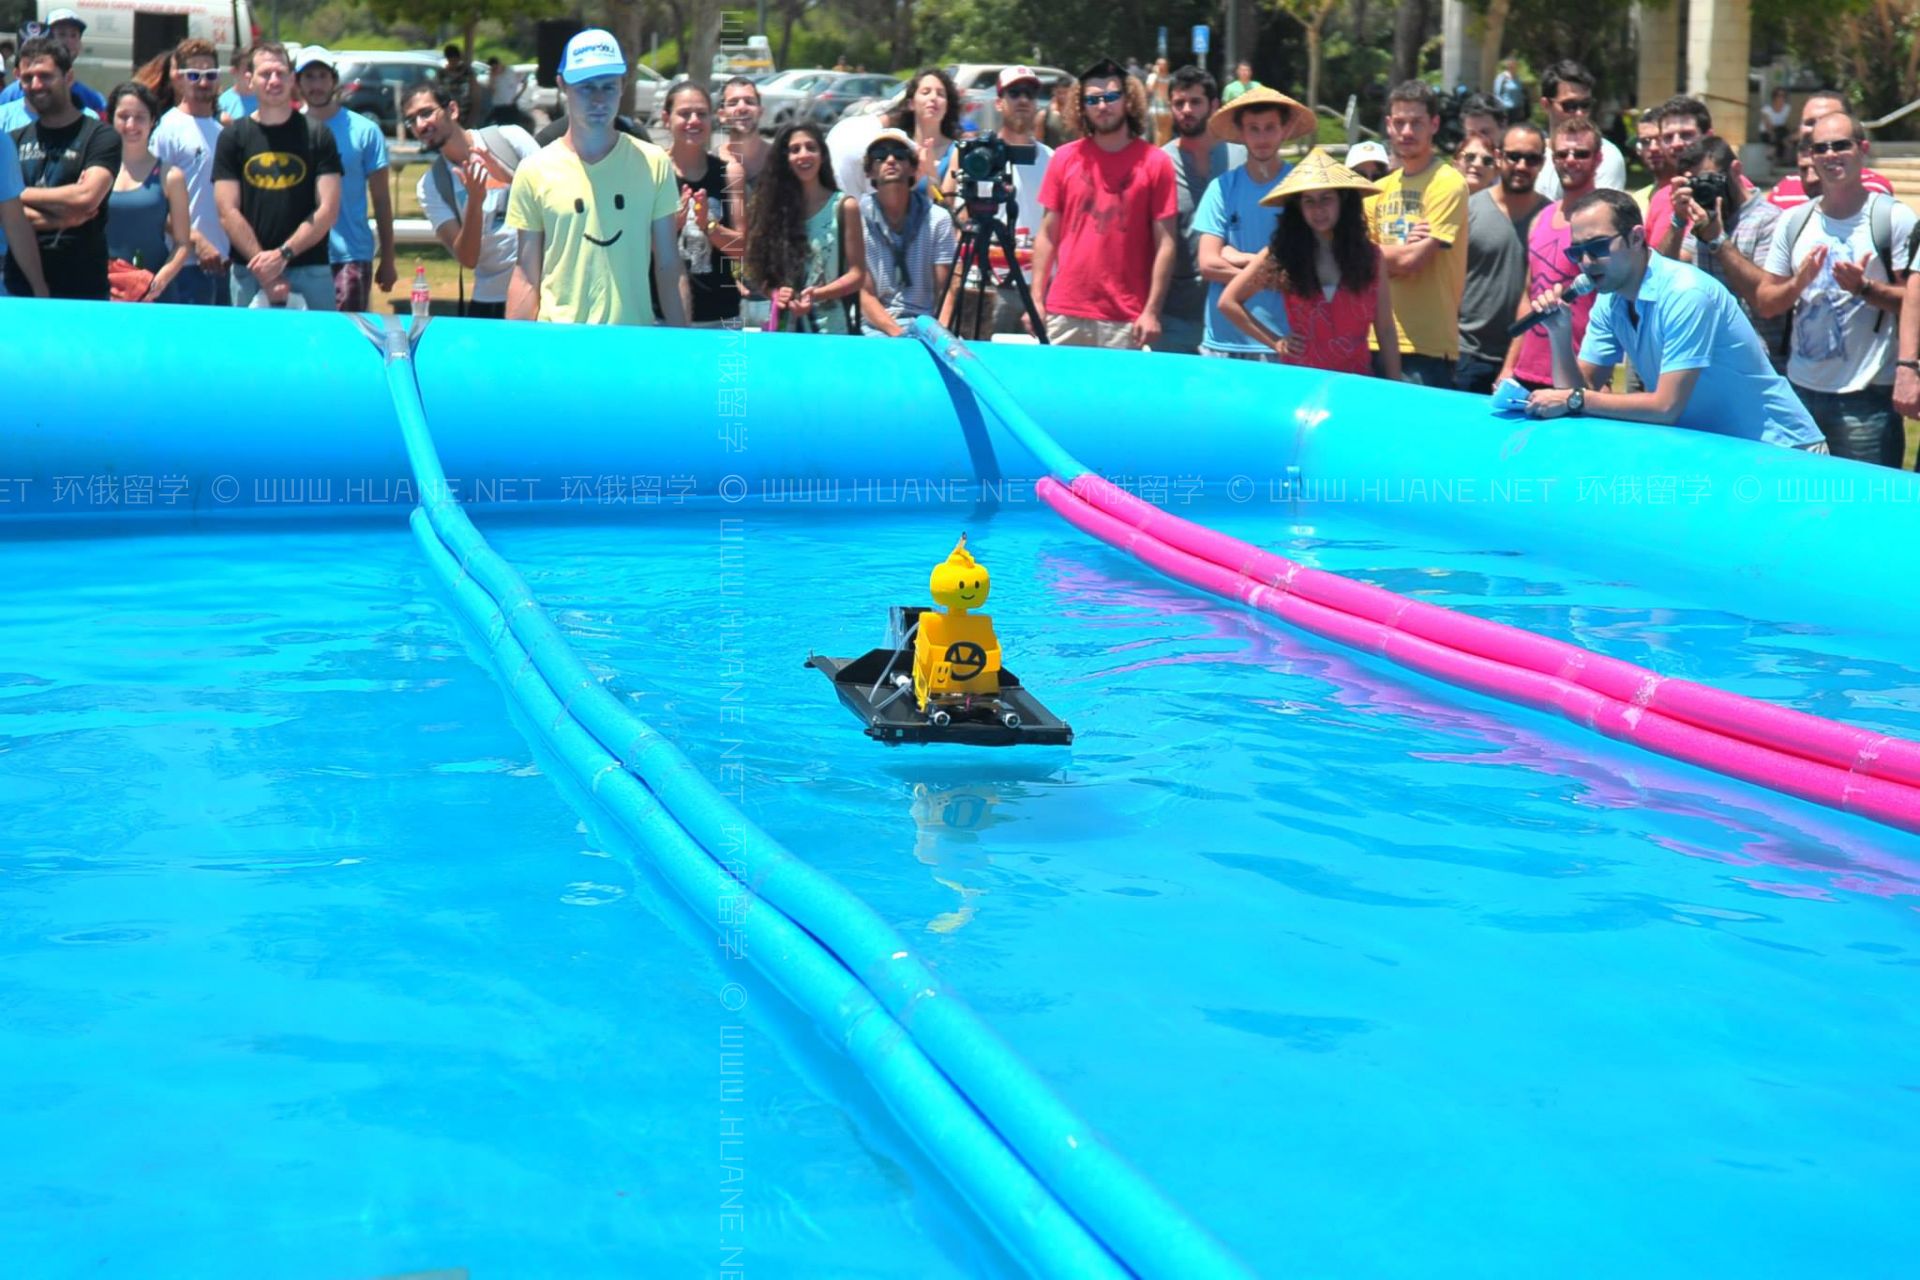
[
  {"x": 1258, "y": 357},
  {"x": 1075, "y": 331}
]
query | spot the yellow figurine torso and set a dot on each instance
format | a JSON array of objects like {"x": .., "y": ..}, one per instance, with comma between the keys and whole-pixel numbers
[{"x": 955, "y": 652}]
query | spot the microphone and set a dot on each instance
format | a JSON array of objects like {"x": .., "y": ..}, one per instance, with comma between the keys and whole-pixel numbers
[{"x": 1583, "y": 284}]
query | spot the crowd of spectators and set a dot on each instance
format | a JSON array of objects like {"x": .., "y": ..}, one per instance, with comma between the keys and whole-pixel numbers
[{"x": 1150, "y": 211}]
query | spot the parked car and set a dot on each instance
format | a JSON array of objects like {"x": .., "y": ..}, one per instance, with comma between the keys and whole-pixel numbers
[
  {"x": 784, "y": 98},
  {"x": 371, "y": 80},
  {"x": 546, "y": 99},
  {"x": 835, "y": 99}
]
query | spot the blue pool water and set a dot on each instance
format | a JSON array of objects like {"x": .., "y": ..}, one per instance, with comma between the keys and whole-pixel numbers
[
  {"x": 1373, "y": 976},
  {"x": 308, "y": 972}
]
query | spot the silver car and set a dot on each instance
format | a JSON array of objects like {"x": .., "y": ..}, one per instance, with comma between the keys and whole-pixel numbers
[
  {"x": 786, "y": 97},
  {"x": 545, "y": 100}
]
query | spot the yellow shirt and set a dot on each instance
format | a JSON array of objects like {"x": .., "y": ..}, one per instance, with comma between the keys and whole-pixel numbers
[
  {"x": 1426, "y": 305},
  {"x": 598, "y": 222}
]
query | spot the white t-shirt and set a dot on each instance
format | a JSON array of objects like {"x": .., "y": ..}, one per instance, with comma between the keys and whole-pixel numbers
[
  {"x": 499, "y": 243},
  {"x": 506, "y": 87},
  {"x": 1840, "y": 343},
  {"x": 186, "y": 142},
  {"x": 1026, "y": 190},
  {"x": 1612, "y": 175}
]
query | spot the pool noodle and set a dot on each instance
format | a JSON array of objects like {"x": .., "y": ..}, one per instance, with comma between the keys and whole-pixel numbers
[
  {"x": 1875, "y": 775},
  {"x": 1131, "y": 1217}
]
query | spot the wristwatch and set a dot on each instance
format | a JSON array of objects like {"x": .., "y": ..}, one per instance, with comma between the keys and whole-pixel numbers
[
  {"x": 1907, "y": 364},
  {"x": 286, "y": 254},
  {"x": 1716, "y": 244},
  {"x": 1577, "y": 401}
]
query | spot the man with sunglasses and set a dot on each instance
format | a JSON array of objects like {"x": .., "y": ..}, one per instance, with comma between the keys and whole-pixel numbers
[
  {"x": 910, "y": 240},
  {"x": 1839, "y": 265},
  {"x": 1499, "y": 220},
  {"x": 1568, "y": 90},
  {"x": 185, "y": 138},
  {"x": 1109, "y": 223},
  {"x": 1682, "y": 330},
  {"x": 1794, "y": 190},
  {"x": 1576, "y": 151},
  {"x": 1020, "y": 92}
]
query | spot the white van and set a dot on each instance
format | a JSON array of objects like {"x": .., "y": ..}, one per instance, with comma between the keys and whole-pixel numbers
[{"x": 122, "y": 34}]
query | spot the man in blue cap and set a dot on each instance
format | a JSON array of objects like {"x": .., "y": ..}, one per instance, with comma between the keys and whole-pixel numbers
[
  {"x": 595, "y": 209},
  {"x": 65, "y": 26}
]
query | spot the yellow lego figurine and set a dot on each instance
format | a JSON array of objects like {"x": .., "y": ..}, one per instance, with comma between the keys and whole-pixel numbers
[{"x": 955, "y": 653}]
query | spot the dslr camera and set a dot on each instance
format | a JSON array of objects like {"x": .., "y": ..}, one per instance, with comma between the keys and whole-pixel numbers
[
  {"x": 986, "y": 172},
  {"x": 1709, "y": 190}
]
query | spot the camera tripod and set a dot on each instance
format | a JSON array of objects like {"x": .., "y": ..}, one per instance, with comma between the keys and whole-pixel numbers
[{"x": 985, "y": 228}]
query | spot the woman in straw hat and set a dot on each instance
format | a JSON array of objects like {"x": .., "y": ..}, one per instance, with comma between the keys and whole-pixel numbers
[{"x": 1323, "y": 262}]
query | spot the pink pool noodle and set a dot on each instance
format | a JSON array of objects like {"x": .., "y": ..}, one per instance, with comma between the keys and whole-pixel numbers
[{"x": 1377, "y": 624}]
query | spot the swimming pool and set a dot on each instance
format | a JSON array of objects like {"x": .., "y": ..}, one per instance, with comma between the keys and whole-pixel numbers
[{"x": 1368, "y": 974}]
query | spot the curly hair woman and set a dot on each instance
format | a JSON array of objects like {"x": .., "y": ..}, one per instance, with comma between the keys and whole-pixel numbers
[
  {"x": 1323, "y": 262},
  {"x": 805, "y": 251}
]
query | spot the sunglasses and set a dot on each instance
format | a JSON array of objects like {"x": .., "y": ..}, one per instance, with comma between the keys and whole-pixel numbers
[
  {"x": 1839, "y": 146},
  {"x": 1020, "y": 91},
  {"x": 1573, "y": 153},
  {"x": 202, "y": 77},
  {"x": 1475, "y": 157},
  {"x": 892, "y": 151},
  {"x": 1600, "y": 248},
  {"x": 1102, "y": 99},
  {"x": 1576, "y": 106},
  {"x": 1527, "y": 158}
]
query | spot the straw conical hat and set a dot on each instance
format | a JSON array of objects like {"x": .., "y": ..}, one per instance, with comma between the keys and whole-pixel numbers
[
  {"x": 1319, "y": 172},
  {"x": 1298, "y": 121}
]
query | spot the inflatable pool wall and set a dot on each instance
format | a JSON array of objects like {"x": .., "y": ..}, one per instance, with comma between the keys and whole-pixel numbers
[{"x": 294, "y": 419}]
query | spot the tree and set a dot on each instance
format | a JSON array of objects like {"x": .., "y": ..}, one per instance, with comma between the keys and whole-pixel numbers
[
  {"x": 1312, "y": 17},
  {"x": 1409, "y": 30}
]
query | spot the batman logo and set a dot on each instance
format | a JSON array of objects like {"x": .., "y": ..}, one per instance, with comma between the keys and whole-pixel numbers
[{"x": 275, "y": 171}]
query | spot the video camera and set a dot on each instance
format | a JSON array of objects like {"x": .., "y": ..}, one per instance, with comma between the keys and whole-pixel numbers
[{"x": 986, "y": 172}]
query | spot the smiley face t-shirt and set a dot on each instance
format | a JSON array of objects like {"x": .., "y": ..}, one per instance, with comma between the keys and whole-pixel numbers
[{"x": 598, "y": 223}]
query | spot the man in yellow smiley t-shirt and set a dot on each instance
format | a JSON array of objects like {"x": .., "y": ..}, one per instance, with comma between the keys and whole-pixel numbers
[
  {"x": 1419, "y": 220},
  {"x": 595, "y": 209}
]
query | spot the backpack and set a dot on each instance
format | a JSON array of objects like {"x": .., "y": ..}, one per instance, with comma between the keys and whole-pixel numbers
[
  {"x": 1879, "y": 225},
  {"x": 497, "y": 144}
]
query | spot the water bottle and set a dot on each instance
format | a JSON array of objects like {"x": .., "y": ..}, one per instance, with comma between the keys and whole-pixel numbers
[
  {"x": 422, "y": 298},
  {"x": 695, "y": 249}
]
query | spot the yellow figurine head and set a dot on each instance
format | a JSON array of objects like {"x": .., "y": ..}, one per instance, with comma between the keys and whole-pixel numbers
[{"x": 958, "y": 582}]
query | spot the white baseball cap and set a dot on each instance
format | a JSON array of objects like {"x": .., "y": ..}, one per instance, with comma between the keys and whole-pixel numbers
[
  {"x": 591, "y": 54},
  {"x": 314, "y": 55},
  {"x": 1368, "y": 153},
  {"x": 59, "y": 16},
  {"x": 1010, "y": 76}
]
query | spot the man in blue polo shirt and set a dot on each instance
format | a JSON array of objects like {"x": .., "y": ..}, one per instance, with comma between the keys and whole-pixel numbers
[
  {"x": 1685, "y": 334},
  {"x": 63, "y": 25}
]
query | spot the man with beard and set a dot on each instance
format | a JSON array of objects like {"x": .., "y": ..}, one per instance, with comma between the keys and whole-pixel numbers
[
  {"x": 910, "y": 242},
  {"x": 185, "y": 138},
  {"x": 464, "y": 191},
  {"x": 1109, "y": 225},
  {"x": 64, "y": 28},
  {"x": 745, "y": 152},
  {"x": 1576, "y": 159},
  {"x": 68, "y": 162},
  {"x": 363, "y": 174},
  {"x": 1019, "y": 103},
  {"x": 1499, "y": 220},
  {"x": 1198, "y": 158},
  {"x": 276, "y": 181}
]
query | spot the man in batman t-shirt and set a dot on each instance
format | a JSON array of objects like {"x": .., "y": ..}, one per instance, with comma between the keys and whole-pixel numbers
[{"x": 276, "y": 182}]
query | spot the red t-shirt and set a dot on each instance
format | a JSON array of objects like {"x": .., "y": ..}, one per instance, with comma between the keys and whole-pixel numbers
[
  {"x": 1547, "y": 266},
  {"x": 1107, "y": 202}
]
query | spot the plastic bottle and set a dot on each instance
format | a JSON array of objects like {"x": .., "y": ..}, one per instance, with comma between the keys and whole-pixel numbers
[
  {"x": 422, "y": 298},
  {"x": 695, "y": 249}
]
